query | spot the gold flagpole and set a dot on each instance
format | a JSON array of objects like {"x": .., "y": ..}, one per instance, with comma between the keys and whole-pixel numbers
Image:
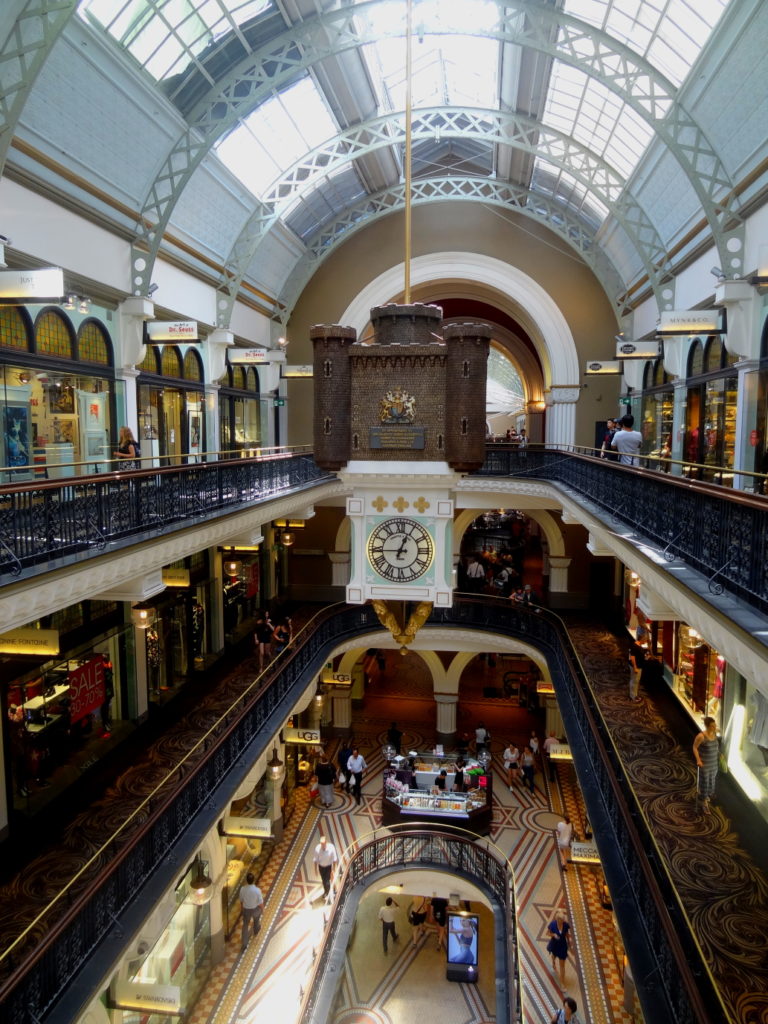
[{"x": 408, "y": 33}]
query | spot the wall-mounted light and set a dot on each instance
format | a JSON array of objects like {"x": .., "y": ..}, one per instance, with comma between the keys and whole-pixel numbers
[
  {"x": 632, "y": 578},
  {"x": 287, "y": 538},
  {"x": 142, "y": 615},
  {"x": 84, "y": 306},
  {"x": 282, "y": 343},
  {"x": 275, "y": 766},
  {"x": 70, "y": 302},
  {"x": 232, "y": 566},
  {"x": 200, "y": 884}
]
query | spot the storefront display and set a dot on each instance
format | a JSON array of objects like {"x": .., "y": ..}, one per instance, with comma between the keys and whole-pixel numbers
[
  {"x": 171, "y": 405},
  {"x": 413, "y": 793},
  {"x": 57, "y": 395},
  {"x": 710, "y": 412},
  {"x": 177, "y": 642},
  {"x": 60, "y": 713},
  {"x": 657, "y": 412},
  {"x": 700, "y": 676},
  {"x": 240, "y": 409}
]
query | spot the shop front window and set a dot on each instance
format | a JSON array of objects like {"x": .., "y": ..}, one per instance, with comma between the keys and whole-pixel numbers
[
  {"x": 700, "y": 675},
  {"x": 171, "y": 417},
  {"x": 240, "y": 411},
  {"x": 63, "y": 714}
]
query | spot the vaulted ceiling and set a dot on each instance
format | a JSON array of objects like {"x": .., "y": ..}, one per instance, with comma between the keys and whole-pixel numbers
[{"x": 249, "y": 138}]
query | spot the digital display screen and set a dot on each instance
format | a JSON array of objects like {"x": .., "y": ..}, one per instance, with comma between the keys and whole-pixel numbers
[{"x": 462, "y": 939}]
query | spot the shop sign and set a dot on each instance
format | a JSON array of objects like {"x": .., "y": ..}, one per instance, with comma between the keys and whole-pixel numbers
[
  {"x": 86, "y": 688},
  {"x": 176, "y": 577},
  {"x": 46, "y": 285},
  {"x": 247, "y": 356},
  {"x": 146, "y": 997},
  {"x": 246, "y": 828},
  {"x": 637, "y": 349},
  {"x": 30, "y": 641},
  {"x": 173, "y": 330},
  {"x": 604, "y": 366},
  {"x": 690, "y": 321},
  {"x": 301, "y": 736},
  {"x": 336, "y": 678},
  {"x": 297, "y": 371}
]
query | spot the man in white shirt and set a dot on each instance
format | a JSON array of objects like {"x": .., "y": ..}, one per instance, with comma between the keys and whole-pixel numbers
[
  {"x": 252, "y": 903},
  {"x": 326, "y": 858},
  {"x": 387, "y": 918},
  {"x": 627, "y": 442},
  {"x": 475, "y": 575},
  {"x": 564, "y": 833},
  {"x": 356, "y": 766},
  {"x": 549, "y": 742}
]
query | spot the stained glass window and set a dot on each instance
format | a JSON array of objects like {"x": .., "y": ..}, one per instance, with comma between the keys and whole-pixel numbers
[
  {"x": 92, "y": 344},
  {"x": 13, "y": 331},
  {"x": 53, "y": 336}
]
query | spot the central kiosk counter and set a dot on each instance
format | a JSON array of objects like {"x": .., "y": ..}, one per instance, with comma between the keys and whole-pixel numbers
[{"x": 411, "y": 794}]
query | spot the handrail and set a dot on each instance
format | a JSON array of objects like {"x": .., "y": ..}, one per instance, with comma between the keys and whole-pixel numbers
[
  {"x": 671, "y": 974},
  {"x": 397, "y": 847},
  {"x": 37, "y": 470}
]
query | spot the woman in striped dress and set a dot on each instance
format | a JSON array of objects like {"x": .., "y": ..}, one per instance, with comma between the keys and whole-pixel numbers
[{"x": 706, "y": 751}]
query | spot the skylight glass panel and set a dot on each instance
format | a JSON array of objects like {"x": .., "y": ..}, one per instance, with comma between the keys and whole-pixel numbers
[
  {"x": 164, "y": 36},
  {"x": 669, "y": 33},
  {"x": 453, "y": 70},
  {"x": 277, "y": 134},
  {"x": 596, "y": 117}
]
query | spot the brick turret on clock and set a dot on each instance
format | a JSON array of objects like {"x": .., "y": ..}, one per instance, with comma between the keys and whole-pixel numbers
[{"x": 415, "y": 394}]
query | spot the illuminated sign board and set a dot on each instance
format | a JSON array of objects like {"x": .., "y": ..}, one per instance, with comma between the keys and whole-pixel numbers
[
  {"x": 146, "y": 997},
  {"x": 45, "y": 285},
  {"x": 176, "y": 330},
  {"x": 690, "y": 321},
  {"x": 246, "y": 356},
  {"x": 246, "y": 828},
  {"x": 598, "y": 367},
  {"x": 297, "y": 371},
  {"x": 638, "y": 349},
  {"x": 30, "y": 641},
  {"x": 176, "y": 577},
  {"x": 301, "y": 736}
]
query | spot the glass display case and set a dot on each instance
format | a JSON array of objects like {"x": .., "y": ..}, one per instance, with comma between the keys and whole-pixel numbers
[{"x": 404, "y": 802}]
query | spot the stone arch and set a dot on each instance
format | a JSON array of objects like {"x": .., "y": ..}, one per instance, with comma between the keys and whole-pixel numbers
[
  {"x": 516, "y": 293},
  {"x": 545, "y": 519}
]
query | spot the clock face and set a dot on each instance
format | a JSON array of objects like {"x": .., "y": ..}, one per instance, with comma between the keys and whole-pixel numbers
[{"x": 400, "y": 550}]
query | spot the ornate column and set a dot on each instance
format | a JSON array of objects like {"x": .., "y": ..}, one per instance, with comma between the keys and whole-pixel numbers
[
  {"x": 558, "y": 574},
  {"x": 342, "y": 711},
  {"x": 561, "y": 402},
  {"x": 339, "y": 568},
  {"x": 446, "y": 715},
  {"x": 132, "y": 314},
  {"x": 215, "y": 356}
]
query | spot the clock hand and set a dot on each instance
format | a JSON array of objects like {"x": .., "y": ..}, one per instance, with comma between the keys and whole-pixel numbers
[{"x": 402, "y": 547}]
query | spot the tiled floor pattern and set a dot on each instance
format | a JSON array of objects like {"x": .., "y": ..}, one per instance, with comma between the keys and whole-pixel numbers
[{"x": 275, "y": 967}]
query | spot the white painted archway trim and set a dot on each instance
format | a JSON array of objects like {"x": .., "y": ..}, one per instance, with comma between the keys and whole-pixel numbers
[{"x": 538, "y": 312}]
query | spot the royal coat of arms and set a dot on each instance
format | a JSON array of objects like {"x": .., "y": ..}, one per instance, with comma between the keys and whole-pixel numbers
[{"x": 397, "y": 406}]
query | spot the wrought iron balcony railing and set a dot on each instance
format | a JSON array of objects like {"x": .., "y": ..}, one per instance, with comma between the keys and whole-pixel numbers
[
  {"x": 60, "y": 957},
  {"x": 67, "y": 519}
]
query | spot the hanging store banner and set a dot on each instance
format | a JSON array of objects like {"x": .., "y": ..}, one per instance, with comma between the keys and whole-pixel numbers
[
  {"x": 146, "y": 997},
  {"x": 30, "y": 641},
  {"x": 86, "y": 688},
  {"x": 247, "y": 356},
  {"x": 638, "y": 349},
  {"x": 605, "y": 366},
  {"x": 46, "y": 285},
  {"x": 176, "y": 577},
  {"x": 176, "y": 331},
  {"x": 246, "y": 828},
  {"x": 297, "y": 371},
  {"x": 311, "y": 736},
  {"x": 690, "y": 321}
]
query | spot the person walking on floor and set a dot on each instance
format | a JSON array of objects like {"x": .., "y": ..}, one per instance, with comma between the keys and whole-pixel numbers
[
  {"x": 252, "y": 904},
  {"x": 706, "y": 751},
  {"x": 511, "y": 758},
  {"x": 549, "y": 742},
  {"x": 528, "y": 769},
  {"x": 636, "y": 663},
  {"x": 345, "y": 775},
  {"x": 627, "y": 442},
  {"x": 326, "y": 776},
  {"x": 262, "y": 635},
  {"x": 356, "y": 765},
  {"x": 394, "y": 737},
  {"x": 568, "y": 1014},
  {"x": 564, "y": 835},
  {"x": 387, "y": 918},
  {"x": 326, "y": 859},
  {"x": 438, "y": 907},
  {"x": 559, "y": 931},
  {"x": 417, "y": 915},
  {"x": 482, "y": 737}
]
